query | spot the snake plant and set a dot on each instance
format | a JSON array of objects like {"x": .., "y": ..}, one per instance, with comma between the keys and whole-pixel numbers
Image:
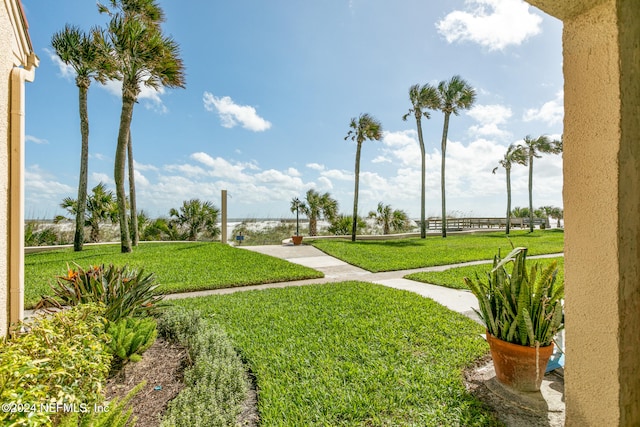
[{"x": 524, "y": 307}]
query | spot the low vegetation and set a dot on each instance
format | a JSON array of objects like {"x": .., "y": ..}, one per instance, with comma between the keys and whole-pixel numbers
[
  {"x": 352, "y": 354},
  {"x": 453, "y": 277},
  {"x": 178, "y": 267},
  {"x": 215, "y": 383},
  {"x": 62, "y": 359},
  {"x": 404, "y": 254}
]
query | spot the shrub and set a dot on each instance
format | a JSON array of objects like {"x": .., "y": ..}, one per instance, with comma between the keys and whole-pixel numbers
[
  {"x": 124, "y": 292},
  {"x": 215, "y": 385},
  {"x": 130, "y": 338},
  {"x": 61, "y": 360}
]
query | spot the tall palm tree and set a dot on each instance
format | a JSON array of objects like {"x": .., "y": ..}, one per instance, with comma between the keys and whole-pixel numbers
[
  {"x": 362, "y": 128},
  {"x": 422, "y": 97},
  {"x": 133, "y": 211},
  {"x": 515, "y": 154},
  {"x": 144, "y": 56},
  {"x": 535, "y": 147},
  {"x": 79, "y": 50},
  {"x": 455, "y": 94},
  {"x": 318, "y": 205},
  {"x": 296, "y": 206}
]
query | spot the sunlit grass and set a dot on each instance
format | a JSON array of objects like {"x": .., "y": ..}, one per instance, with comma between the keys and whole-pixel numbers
[
  {"x": 453, "y": 277},
  {"x": 179, "y": 267},
  {"x": 352, "y": 354},
  {"x": 404, "y": 254}
]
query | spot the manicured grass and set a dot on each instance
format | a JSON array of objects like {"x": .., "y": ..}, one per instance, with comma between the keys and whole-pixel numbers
[
  {"x": 452, "y": 278},
  {"x": 403, "y": 254},
  {"x": 352, "y": 354},
  {"x": 179, "y": 267}
]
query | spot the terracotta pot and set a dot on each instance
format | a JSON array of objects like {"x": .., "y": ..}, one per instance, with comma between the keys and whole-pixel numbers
[
  {"x": 519, "y": 366},
  {"x": 296, "y": 239}
]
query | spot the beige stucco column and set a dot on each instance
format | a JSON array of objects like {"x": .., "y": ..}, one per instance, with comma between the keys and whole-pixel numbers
[{"x": 601, "y": 45}]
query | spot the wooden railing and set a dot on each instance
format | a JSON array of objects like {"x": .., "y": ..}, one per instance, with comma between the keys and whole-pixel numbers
[{"x": 466, "y": 223}]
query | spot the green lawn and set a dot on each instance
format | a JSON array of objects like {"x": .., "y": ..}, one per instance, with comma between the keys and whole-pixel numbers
[
  {"x": 352, "y": 354},
  {"x": 403, "y": 254},
  {"x": 452, "y": 278},
  {"x": 179, "y": 267}
]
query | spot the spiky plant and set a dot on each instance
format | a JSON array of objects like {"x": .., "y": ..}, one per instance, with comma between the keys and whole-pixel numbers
[{"x": 524, "y": 307}]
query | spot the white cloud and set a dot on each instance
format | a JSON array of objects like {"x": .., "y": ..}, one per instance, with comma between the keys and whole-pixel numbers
[
  {"x": 494, "y": 24},
  {"x": 381, "y": 159},
  {"x": 231, "y": 113},
  {"x": 35, "y": 140},
  {"x": 490, "y": 118},
  {"x": 221, "y": 168},
  {"x": 338, "y": 174},
  {"x": 293, "y": 172},
  {"x": 315, "y": 166},
  {"x": 99, "y": 156},
  {"x": 325, "y": 183},
  {"x": 43, "y": 188},
  {"x": 66, "y": 71},
  {"x": 403, "y": 146},
  {"x": 98, "y": 177},
  {"x": 551, "y": 112}
]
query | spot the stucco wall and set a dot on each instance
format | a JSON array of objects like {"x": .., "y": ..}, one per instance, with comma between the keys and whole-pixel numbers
[
  {"x": 6, "y": 64},
  {"x": 591, "y": 145}
]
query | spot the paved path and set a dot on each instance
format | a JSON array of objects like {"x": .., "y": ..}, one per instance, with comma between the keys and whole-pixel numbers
[{"x": 336, "y": 270}]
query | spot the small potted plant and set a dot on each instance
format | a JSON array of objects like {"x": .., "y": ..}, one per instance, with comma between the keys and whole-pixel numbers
[
  {"x": 296, "y": 205},
  {"x": 522, "y": 312}
]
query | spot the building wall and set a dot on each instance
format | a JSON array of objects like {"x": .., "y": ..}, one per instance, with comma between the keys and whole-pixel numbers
[
  {"x": 15, "y": 54},
  {"x": 601, "y": 43},
  {"x": 6, "y": 64}
]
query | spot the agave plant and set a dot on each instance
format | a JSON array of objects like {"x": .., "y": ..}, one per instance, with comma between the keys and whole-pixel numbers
[
  {"x": 524, "y": 307},
  {"x": 124, "y": 292}
]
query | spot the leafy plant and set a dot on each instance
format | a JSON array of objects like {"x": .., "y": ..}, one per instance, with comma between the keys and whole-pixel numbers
[
  {"x": 342, "y": 225},
  {"x": 119, "y": 414},
  {"x": 130, "y": 338},
  {"x": 522, "y": 307},
  {"x": 124, "y": 292},
  {"x": 61, "y": 360}
]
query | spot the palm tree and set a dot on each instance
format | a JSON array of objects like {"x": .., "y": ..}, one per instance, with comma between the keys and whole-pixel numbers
[
  {"x": 143, "y": 56},
  {"x": 135, "y": 234},
  {"x": 362, "y": 128},
  {"x": 389, "y": 219},
  {"x": 515, "y": 154},
  {"x": 296, "y": 206},
  {"x": 318, "y": 206},
  {"x": 197, "y": 217},
  {"x": 421, "y": 98},
  {"x": 79, "y": 50},
  {"x": 535, "y": 148},
  {"x": 100, "y": 206},
  {"x": 454, "y": 95}
]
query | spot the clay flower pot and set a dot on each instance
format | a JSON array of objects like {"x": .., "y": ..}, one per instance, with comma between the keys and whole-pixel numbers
[
  {"x": 296, "y": 239},
  {"x": 517, "y": 366}
]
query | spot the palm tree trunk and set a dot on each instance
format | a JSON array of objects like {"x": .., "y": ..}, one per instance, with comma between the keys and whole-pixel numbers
[
  {"x": 445, "y": 130},
  {"x": 423, "y": 231},
  {"x": 355, "y": 194},
  {"x": 119, "y": 172},
  {"x": 313, "y": 225},
  {"x": 132, "y": 195},
  {"x": 530, "y": 193},
  {"x": 508, "y": 224},
  {"x": 78, "y": 238}
]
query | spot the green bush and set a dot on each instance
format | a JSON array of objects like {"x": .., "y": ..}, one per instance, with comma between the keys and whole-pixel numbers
[
  {"x": 215, "y": 385},
  {"x": 62, "y": 359},
  {"x": 124, "y": 292},
  {"x": 130, "y": 337}
]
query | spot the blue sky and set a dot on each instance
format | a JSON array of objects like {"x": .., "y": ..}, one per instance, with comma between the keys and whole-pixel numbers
[{"x": 271, "y": 88}]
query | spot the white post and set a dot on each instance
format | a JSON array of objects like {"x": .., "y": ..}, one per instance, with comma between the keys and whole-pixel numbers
[{"x": 224, "y": 217}]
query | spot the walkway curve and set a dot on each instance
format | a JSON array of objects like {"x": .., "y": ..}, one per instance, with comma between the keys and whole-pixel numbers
[{"x": 336, "y": 270}]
